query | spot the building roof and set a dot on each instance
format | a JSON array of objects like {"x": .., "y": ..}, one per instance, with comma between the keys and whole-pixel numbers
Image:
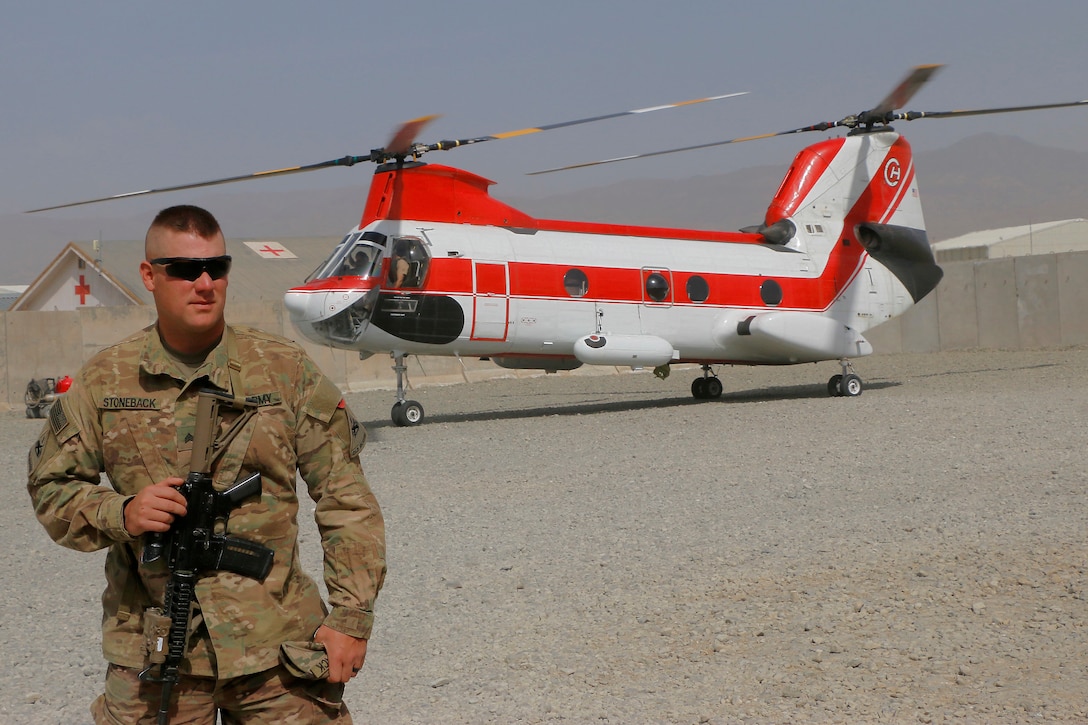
[
  {"x": 63, "y": 285},
  {"x": 9, "y": 293},
  {"x": 1066, "y": 235},
  {"x": 262, "y": 269}
]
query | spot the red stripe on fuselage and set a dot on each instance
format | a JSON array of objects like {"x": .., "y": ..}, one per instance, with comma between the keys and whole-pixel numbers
[
  {"x": 535, "y": 280},
  {"x": 544, "y": 281}
]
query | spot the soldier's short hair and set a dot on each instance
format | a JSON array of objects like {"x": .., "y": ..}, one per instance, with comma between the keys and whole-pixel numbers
[{"x": 189, "y": 219}]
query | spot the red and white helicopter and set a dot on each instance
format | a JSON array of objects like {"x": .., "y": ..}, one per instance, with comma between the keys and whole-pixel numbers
[{"x": 436, "y": 266}]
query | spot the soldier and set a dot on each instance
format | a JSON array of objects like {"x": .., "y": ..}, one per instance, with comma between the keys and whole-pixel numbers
[
  {"x": 130, "y": 414},
  {"x": 398, "y": 267}
]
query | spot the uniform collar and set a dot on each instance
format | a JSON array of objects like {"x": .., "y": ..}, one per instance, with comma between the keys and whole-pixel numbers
[{"x": 157, "y": 361}]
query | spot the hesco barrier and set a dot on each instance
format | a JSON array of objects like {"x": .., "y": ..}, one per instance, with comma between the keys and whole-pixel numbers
[{"x": 1010, "y": 303}]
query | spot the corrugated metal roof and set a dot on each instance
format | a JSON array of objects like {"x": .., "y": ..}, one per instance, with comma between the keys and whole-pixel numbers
[{"x": 253, "y": 277}]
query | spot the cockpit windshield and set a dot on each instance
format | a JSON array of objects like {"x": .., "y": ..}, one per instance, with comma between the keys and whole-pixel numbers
[{"x": 359, "y": 254}]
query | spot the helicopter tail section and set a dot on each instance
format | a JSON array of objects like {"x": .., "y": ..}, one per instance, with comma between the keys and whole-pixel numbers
[
  {"x": 861, "y": 191},
  {"x": 856, "y": 179},
  {"x": 852, "y": 205}
]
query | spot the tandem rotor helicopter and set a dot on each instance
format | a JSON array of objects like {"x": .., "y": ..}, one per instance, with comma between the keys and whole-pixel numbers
[{"x": 436, "y": 266}]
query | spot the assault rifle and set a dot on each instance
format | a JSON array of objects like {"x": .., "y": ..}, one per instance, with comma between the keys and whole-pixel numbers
[{"x": 197, "y": 542}]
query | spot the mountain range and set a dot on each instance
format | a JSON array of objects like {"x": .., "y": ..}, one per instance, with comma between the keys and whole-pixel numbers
[{"x": 985, "y": 181}]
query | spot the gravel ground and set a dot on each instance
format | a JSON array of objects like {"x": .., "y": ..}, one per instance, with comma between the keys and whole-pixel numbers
[{"x": 596, "y": 549}]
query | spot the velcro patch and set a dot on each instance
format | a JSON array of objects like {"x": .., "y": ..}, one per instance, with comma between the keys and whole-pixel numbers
[
  {"x": 325, "y": 401},
  {"x": 60, "y": 422}
]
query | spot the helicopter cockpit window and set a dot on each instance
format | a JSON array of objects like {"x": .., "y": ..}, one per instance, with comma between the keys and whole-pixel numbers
[
  {"x": 359, "y": 255},
  {"x": 408, "y": 263},
  {"x": 576, "y": 283}
]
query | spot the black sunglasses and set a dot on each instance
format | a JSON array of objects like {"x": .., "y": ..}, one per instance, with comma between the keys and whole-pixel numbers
[{"x": 190, "y": 268}]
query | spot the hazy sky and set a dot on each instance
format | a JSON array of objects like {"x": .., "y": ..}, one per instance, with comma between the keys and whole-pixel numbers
[{"x": 111, "y": 97}]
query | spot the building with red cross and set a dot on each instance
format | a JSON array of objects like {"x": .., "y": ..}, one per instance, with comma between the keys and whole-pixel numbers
[{"x": 91, "y": 274}]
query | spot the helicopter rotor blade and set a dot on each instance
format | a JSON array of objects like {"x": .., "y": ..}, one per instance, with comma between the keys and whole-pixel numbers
[
  {"x": 915, "y": 115},
  {"x": 659, "y": 153},
  {"x": 401, "y": 145},
  {"x": 400, "y": 142},
  {"x": 405, "y": 136},
  {"x": 448, "y": 144},
  {"x": 345, "y": 161},
  {"x": 901, "y": 94},
  {"x": 883, "y": 113}
]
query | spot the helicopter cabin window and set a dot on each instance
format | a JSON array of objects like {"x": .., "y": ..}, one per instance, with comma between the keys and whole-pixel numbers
[
  {"x": 698, "y": 289},
  {"x": 408, "y": 263},
  {"x": 771, "y": 293},
  {"x": 657, "y": 287},
  {"x": 576, "y": 283}
]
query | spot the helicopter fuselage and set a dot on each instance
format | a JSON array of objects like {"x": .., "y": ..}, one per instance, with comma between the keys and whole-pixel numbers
[{"x": 475, "y": 277}]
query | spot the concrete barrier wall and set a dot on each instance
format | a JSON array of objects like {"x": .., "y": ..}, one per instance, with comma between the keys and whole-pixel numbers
[
  {"x": 957, "y": 313},
  {"x": 1011, "y": 303},
  {"x": 1039, "y": 321},
  {"x": 1008, "y": 303},
  {"x": 53, "y": 344},
  {"x": 1073, "y": 297}
]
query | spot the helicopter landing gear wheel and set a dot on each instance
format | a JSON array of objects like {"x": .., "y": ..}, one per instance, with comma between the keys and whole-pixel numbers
[
  {"x": 713, "y": 388},
  {"x": 707, "y": 387},
  {"x": 833, "y": 386},
  {"x": 851, "y": 385},
  {"x": 406, "y": 413},
  {"x": 846, "y": 384},
  {"x": 698, "y": 388}
]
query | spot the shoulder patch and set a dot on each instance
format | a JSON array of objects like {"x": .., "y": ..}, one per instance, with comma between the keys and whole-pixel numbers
[
  {"x": 35, "y": 455},
  {"x": 60, "y": 422},
  {"x": 358, "y": 432},
  {"x": 324, "y": 401}
]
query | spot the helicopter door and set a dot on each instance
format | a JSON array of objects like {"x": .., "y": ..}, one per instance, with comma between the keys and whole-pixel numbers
[{"x": 491, "y": 301}]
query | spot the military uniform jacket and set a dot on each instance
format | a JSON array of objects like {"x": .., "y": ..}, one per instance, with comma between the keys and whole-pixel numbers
[{"x": 130, "y": 415}]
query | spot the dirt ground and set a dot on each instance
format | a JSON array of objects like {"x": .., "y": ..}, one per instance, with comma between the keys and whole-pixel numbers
[{"x": 605, "y": 549}]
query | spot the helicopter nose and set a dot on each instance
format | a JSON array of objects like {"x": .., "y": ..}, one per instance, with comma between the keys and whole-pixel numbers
[{"x": 304, "y": 305}]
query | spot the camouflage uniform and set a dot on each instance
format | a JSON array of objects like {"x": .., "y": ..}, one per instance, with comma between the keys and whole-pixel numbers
[{"x": 130, "y": 414}]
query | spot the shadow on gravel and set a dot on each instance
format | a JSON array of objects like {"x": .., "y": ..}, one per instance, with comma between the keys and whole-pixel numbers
[
  {"x": 540, "y": 412},
  {"x": 795, "y": 392},
  {"x": 737, "y": 397},
  {"x": 976, "y": 371}
]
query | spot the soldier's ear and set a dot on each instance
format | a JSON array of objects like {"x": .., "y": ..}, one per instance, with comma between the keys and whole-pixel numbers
[{"x": 146, "y": 274}]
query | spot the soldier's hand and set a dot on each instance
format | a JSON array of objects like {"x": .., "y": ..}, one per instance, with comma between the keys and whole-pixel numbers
[
  {"x": 346, "y": 653},
  {"x": 154, "y": 507}
]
